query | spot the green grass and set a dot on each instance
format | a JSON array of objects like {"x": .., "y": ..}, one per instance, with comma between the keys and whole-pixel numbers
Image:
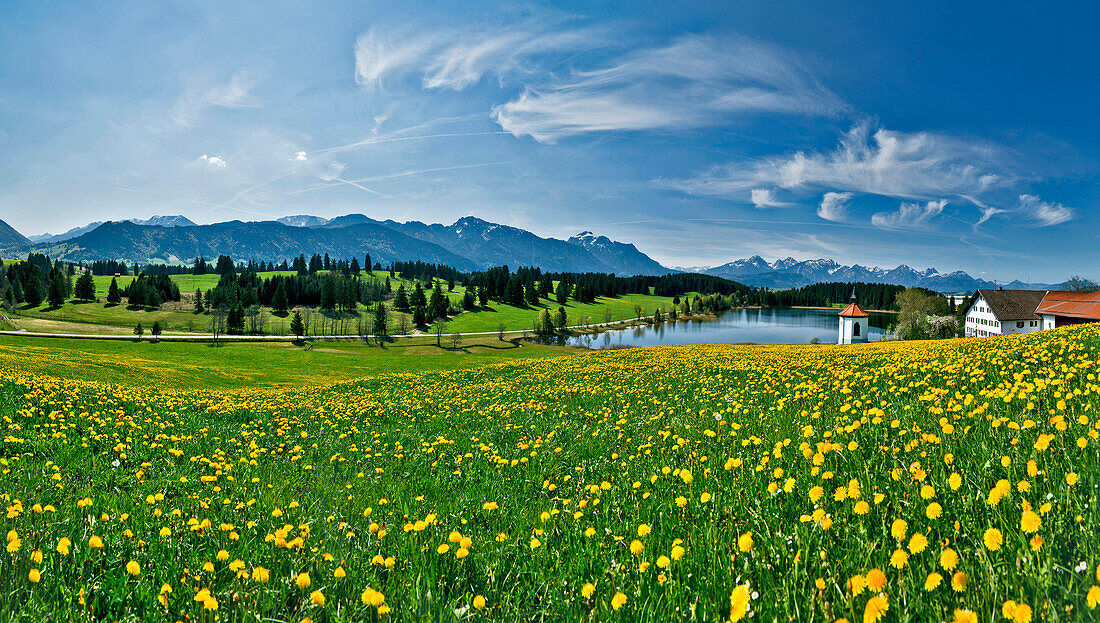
[
  {"x": 241, "y": 365},
  {"x": 522, "y": 318}
]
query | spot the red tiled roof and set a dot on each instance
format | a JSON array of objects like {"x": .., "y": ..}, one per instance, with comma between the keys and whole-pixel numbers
[
  {"x": 854, "y": 311},
  {"x": 1071, "y": 304}
]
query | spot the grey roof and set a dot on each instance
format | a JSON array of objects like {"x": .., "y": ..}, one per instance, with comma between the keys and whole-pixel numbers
[{"x": 1010, "y": 304}]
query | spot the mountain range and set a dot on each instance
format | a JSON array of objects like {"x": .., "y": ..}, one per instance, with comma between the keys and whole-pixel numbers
[
  {"x": 469, "y": 243},
  {"x": 792, "y": 273},
  {"x": 163, "y": 221}
]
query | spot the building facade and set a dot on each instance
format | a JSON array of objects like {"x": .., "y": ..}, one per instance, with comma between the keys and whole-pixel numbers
[{"x": 1002, "y": 312}]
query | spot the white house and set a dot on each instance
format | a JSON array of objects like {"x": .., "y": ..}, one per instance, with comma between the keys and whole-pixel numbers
[
  {"x": 853, "y": 324},
  {"x": 1003, "y": 312},
  {"x": 1058, "y": 309}
]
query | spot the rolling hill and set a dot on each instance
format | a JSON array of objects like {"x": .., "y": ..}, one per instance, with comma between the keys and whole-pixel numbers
[{"x": 12, "y": 241}]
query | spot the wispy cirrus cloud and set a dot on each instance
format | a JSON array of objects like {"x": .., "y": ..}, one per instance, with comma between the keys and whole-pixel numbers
[
  {"x": 695, "y": 81},
  {"x": 456, "y": 58},
  {"x": 910, "y": 215},
  {"x": 765, "y": 198},
  {"x": 911, "y": 166},
  {"x": 1044, "y": 213},
  {"x": 201, "y": 94},
  {"x": 868, "y": 160},
  {"x": 834, "y": 206}
]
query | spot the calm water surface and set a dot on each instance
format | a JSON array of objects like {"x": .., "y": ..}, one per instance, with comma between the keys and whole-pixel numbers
[{"x": 759, "y": 326}]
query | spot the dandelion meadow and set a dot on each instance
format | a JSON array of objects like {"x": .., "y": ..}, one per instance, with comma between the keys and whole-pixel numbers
[{"x": 918, "y": 481}]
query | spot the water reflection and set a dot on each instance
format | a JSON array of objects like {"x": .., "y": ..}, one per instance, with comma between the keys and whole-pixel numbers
[{"x": 775, "y": 325}]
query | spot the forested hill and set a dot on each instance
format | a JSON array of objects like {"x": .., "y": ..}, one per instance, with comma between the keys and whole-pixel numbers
[{"x": 868, "y": 295}]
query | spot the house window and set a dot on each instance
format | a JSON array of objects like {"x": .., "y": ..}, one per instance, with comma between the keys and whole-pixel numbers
[
  {"x": 1019, "y": 325},
  {"x": 1033, "y": 323}
]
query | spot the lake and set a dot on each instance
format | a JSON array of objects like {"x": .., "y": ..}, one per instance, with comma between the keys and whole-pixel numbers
[{"x": 776, "y": 325}]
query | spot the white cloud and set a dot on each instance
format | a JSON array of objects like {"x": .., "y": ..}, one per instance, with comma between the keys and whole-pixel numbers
[
  {"x": 213, "y": 161},
  {"x": 919, "y": 165},
  {"x": 300, "y": 156},
  {"x": 834, "y": 206},
  {"x": 694, "y": 82},
  {"x": 456, "y": 58},
  {"x": 200, "y": 95},
  {"x": 377, "y": 55},
  {"x": 1044, "y": 213},
  {"x": 765, "y": 198},
  {"x": 909, "y": 215}
]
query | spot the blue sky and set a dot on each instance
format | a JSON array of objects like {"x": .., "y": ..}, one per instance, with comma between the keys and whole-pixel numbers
[{"x": 959, "y": 136}]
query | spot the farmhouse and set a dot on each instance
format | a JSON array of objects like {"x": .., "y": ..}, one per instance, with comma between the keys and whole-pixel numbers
[
  {"x": 1058, "y": 309},
  {"x": 1003, "y": 312}
]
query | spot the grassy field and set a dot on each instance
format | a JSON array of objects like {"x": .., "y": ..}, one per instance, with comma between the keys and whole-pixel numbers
[
  {"x": 913, "y": 481},
  {"x": 179, "y": 317},
  {"x": 242, "y": 365}
]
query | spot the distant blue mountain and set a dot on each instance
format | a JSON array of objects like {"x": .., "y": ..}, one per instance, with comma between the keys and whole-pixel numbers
[{"x": 792, "y": 273}]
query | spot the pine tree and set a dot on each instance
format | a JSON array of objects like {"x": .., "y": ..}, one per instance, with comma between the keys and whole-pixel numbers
[
  {"x": 418, "y": 299},
  {"x": 198, "y": 302},
  {"x": 32, "y": 292},
  {"x": 114, "y": 297},
  {"x": 139, "y": 330},
  {"x": 296, "y": 325},
  {"x": 380, "y": 327},
  {"x": 16, "y": 292},
  {"x": 328, "y": 294},
  {"x": 155, "y": 331},
  {"x": 437, "y": 306},
  {"x": 468, "y": 300},
  {"x": 401, "y": 300},
  {"x": 85, "y": 287},
  {"x": 279, "y": 302},
  {"x": 57, "y": 291},
  {"x": 451, "y": 284},
  {"x": 562, "y": 292}
]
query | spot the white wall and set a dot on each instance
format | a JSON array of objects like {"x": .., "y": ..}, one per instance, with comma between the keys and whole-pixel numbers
[
  {"x": 847, "y": 328},
  {"x": 1048, "y": 321},
  {"x": 981, "y": 321}
]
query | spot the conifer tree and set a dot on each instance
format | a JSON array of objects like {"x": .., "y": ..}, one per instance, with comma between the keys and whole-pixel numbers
[
  {"x": 114, "y": 297},
  {"x": 279, "y": 302},
  {"x": 85, "y": 287},
  {"x": 57, "y": 291},
  {"x": 401, "y": 299},
  {"x": 198, "y": 302},
  {"x": 296, "y": 325}
]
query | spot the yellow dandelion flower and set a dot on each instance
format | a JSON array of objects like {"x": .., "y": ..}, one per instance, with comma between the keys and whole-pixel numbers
[
  {"x": 993, "y": 539},
  {"x": 740, "y": 601}
]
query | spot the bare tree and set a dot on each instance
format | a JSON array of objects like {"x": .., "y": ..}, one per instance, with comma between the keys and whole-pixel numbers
[
  {"x": 500, "y": 331},
  {"x": 1077, "y": 283},
  {"x": 456, "y": 339},
  {"x": 217, "y": 321},
  {"x": 403, "y": 324},
  {"x": 438, "y": 330}
]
